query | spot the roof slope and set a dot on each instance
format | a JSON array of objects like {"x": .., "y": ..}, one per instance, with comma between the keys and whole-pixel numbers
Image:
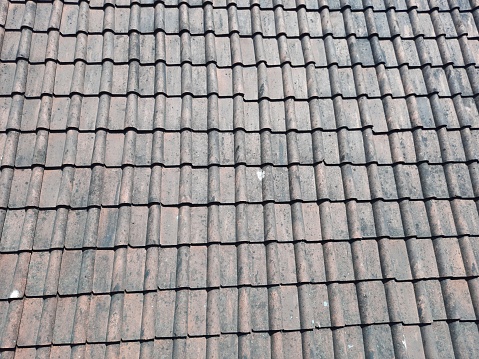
[{"x": 225, "y": 179}]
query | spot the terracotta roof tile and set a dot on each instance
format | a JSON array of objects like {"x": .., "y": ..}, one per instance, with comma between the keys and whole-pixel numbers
[{"x": 238, "y": 179}]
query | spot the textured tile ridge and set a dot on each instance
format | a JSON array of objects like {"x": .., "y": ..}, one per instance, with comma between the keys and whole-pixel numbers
[{"x": 239, "y": 178}]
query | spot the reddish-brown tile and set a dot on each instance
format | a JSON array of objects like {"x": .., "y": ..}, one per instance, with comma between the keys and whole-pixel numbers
[
  {"x": 209, "y": 193},
  {"x": 169, "y": 225},
  {"x": 11, "y": 232},
  {"x": 132, "y": 316},
  {"x": 65, "y": 313},
  {"x": 32, "y": 309},
  {"x": 99, "y": 309},
  {"x": 8, "y": 262},
  {"x": 37, "y": 271},
  {"x": 103, "y": 271},
  {"x": 50, "y": 186},
  {"x": 69, "y": 273},
  {"x": 135, "y": 268},
  {"x": 164, "y": 322}
]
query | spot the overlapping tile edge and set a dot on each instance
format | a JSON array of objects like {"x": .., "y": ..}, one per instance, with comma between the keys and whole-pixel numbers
[{"x": 292, "y": 244}]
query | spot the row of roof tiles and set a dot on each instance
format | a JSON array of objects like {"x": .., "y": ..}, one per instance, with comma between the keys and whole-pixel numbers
[
  {"x": 170, "y": 186},
  {"x": 289, "y": 86},
  {"x": 251, "y": 21},
  {"x": 163, "y": 80},
  {"x": 135, "y": 72},
  {"x": 66, "y": 51},
  {"x": 160, "y": 79},
  {"x": 420, "y": 5},
  {"x": 377, "y": 5},
  {"x": 337, "y": 149},
  {"x": 236, "y": 115},
  {"x": 98, "y": 227},
  {"x": 131, "y": 269},
  {"x": 196, "y": 26},
  {"x": 72, "y": 322},
  {"x": 345, "y": 342}
]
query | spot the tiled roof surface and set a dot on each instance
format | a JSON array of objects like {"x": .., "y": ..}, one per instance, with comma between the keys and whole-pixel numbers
[{"x": 233, "y": 179}]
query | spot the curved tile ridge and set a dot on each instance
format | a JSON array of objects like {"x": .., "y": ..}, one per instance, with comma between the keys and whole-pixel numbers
[
  {"x": 241, "y": 188},
  {"x": 213, "y": 327},
  {"x": 159, "y": 119},
  {"x": 180, "y": 322},
  {"x": 266, "y": 178}
]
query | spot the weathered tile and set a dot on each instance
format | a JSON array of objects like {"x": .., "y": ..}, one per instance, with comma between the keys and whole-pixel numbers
[{"x": 370, "y": 222}]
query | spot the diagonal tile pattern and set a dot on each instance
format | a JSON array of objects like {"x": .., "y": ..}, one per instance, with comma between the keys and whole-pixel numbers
[{"x": 251, "y": 179}]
